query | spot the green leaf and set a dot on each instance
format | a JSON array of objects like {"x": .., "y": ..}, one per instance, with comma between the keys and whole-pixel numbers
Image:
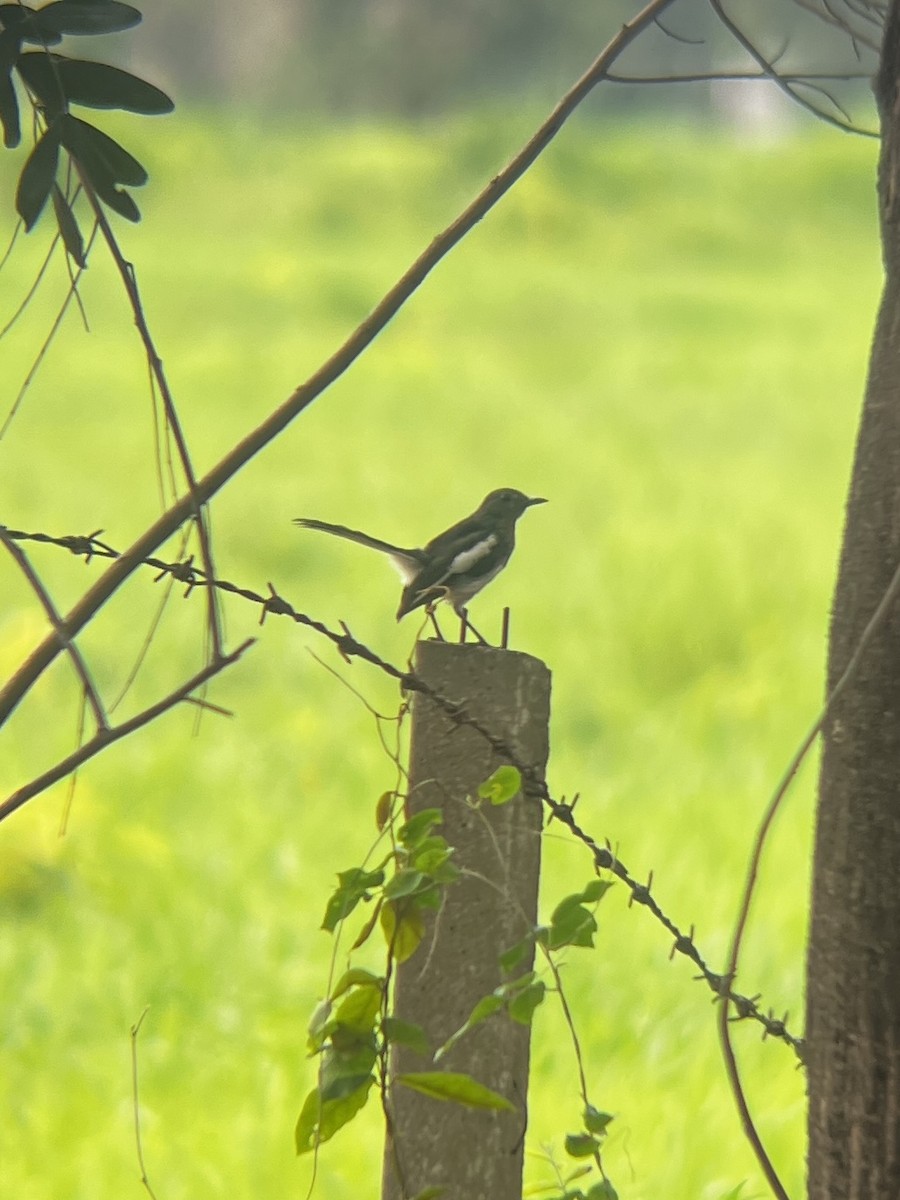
[
  {"x": 405, "y": 1033},
  {"x": 603, "y": 1190},
  {"x": 343, "y": 1071},
  {"x": 359, "y": 1009},
  {"x": 430, "y": 852},
  {"x": 356, "y": 977},
  {"x": 504, "y": 785},
  {"x": 404, "y": 883},
  {"x": 68, "y": 227},
  {"x": 403, "y": 927},
  {"x": 455, "y": 1087},
  {"x": 383, "y": 809},
  {"x": 320, "y": 1119},
  {"x": 99, "y": 154},
  {"x": 37, "y": 178},
  {"x": 354, "y": 885},
  {"x": 486, "y": 1007},
  {"x": 522, "y": 1006},
  {"x": 420, "y": 826},
  {"x": 571, "y": 924},
  {"x": 366, "y": 931},
  {"x": 96, "y": 85},
  {"x": 318, "y": 1026},
  {"x": 596, "y": 890},
  {"x": 511, "y": 958},
  {"x": 581, "y": 1145},
  {"x": 596, "y": 1121},
  {"x": 71, "y": 17}
]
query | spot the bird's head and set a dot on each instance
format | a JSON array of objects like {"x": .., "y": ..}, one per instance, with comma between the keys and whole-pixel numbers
[{"x": 508, "y": 503}]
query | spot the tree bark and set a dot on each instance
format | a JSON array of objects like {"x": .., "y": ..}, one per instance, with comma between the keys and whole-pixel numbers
[{"x": 853, "y": 982}]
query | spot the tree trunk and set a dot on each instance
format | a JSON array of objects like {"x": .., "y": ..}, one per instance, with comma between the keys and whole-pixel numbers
[{"x": 853, "y": 985}]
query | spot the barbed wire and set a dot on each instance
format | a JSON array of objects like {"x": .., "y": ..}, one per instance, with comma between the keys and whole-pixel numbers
[{"x": 89, "y": 546}]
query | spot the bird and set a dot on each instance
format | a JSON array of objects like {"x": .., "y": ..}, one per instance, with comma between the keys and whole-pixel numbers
[{"x": 455, "y": 565}]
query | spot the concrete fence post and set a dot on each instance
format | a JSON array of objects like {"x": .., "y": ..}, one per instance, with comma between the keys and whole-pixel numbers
[{"x": 471, "y": 1154}]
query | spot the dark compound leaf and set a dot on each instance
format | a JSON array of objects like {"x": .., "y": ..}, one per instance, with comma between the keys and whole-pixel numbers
[
  {"x": 9, "y": 104},
  {"x": 99, "y": 153},
  {"x": 25, "y": 22},
  {"x": 40, "y": 78},
  {"x": 68, "y": 227},
  {"x": 96, "y": 85},
  {"x": 69, "y": 16},
  {"x": 111, "y": 195},
  {"x": 37, "y": 178}
]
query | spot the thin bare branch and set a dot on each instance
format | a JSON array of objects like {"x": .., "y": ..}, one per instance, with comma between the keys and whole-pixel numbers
[
  {"x": 53, "y": 616},
  {"x": 32, "y": 291},
  {"x": 742, "y": 76},
  {"x": 115, "y": 733},
  {"x": 18, "y": 685},
  {"x": 767, "y": 68},
  {"x": 679, "y": 37},
  {"x": 826, "y": 15},
  {"x": 72, "y": 291}
]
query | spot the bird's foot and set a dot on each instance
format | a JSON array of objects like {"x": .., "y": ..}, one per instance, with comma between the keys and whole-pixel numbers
[
  {"x": 429, "y": 609},
  {"x": 466, "y": 624}
]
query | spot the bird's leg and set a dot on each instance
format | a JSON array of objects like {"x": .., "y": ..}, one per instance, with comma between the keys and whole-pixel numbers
[
  {"x": 429, "y": 609},
  {"x": 467, "y": 624}
]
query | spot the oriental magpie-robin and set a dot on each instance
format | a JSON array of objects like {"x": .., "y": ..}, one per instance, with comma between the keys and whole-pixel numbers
[{"x": 456, "y": 564}]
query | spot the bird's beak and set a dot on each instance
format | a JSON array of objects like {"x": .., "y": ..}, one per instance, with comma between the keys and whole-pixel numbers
[{"x": 536, "y": 500}]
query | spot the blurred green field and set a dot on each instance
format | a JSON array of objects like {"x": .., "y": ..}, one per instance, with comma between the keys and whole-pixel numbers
[{"x": 666, "y": 335}]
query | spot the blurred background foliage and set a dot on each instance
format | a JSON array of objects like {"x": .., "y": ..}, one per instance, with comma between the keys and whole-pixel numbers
[
  {"x": 414, "y": 58},
  {"x": 664, "y": 330}
]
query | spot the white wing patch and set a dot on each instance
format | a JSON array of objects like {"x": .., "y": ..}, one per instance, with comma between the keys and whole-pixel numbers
[{"x": 467, "y": 559}]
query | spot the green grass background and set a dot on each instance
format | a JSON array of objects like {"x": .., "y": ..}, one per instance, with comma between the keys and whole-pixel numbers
[{"x": 666, "y": 335}]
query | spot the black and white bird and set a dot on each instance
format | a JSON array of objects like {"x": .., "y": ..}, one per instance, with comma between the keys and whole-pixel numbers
[{"x": 459, "y": 562}]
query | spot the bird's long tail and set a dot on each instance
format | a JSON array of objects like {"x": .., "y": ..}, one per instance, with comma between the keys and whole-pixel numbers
[{"x": 406, "y": 560}]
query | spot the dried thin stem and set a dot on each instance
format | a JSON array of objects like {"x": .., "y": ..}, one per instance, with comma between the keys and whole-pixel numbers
[
  {"x": 136, "y": 1102},
  {"x": 53, "y": 616},
  {"x": 129, "y": 282}
]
